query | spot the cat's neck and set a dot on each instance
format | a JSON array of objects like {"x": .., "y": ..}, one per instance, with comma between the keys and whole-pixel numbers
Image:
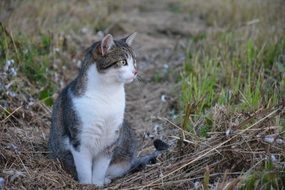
[
  {"x": 99, "y": 83},
  {"x": 93, "y": 83}
]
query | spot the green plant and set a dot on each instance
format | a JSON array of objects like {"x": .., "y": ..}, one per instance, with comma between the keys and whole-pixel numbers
[
  {"x": 270, "y": 177},
  {"x": 32, "y": 59}
]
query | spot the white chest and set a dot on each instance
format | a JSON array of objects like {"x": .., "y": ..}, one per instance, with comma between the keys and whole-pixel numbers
[{"x": 101, "y": 116}]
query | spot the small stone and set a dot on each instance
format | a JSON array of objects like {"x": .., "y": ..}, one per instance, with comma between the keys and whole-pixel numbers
[
  {"x": 163, "y": 98},
  {"x": 11, "y": 94},
  {"x": 100, "y": 34},
  {"x": 273, "y": 158},
  {"x": 13, "y": 72},
  {"x": 280, "y": 141},
  {"x": 84, "y": 30},
  {"x": 157, "y": 129},
  {"x": 197, "y": 185},
  {"x": 7, "y": 65},
  {"x": 269, "y": 139},
  {"x": 56, "y": 50},
  {"x": 228, "y": 132}
]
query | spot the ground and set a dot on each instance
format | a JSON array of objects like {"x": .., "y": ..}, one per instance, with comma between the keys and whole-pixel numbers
[{"x": 60, "y": 31}]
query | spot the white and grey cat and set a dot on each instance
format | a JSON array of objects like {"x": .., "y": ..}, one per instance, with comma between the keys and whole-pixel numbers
[{"x": 88, "y": 132}]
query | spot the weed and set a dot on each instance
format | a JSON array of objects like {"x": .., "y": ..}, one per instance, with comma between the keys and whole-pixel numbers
[
  {"x": 232, "y": 76},
  {"x": 270, "y": 177},
  {"x": 174, "y": 7},
  {"x": 241, "y": 66},
  {"x": 32, "y": 61}
]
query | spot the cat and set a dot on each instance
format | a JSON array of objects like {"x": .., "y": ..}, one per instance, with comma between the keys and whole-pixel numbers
[{"x": 88, "y": 134}]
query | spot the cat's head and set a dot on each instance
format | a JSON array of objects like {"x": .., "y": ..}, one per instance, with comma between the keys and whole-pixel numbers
[{"x": 115, "y": 59}]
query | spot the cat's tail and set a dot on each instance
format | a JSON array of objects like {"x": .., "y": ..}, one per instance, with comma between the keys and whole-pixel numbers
[{"x": 142, "y": 161}]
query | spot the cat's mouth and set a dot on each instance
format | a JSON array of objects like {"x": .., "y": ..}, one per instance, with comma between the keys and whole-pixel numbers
[
  {"x": 127, "y": 79},
  {"x": 130, "y": 80}
]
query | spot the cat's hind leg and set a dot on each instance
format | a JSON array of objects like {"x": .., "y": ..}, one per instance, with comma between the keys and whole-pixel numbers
[
  {"x": 118, "y": 169},
  {"x": 67, "y": 162}
]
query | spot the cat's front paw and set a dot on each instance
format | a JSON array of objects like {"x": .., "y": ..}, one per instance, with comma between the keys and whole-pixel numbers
[
  {"x": 107, "y": 181},
  {"x": 98, "y": 182},
  {"x": 101, "y": 182}
]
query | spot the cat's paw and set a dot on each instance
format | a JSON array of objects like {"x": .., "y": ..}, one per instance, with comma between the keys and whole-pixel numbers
[
  {"x": 98, "y": 182},
  {"x": 107, "y": 181},
  {"x": 101, "y": 182}
]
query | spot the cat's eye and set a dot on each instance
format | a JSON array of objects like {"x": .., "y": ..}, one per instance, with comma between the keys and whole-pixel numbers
[{"x": 122, "y": 63}]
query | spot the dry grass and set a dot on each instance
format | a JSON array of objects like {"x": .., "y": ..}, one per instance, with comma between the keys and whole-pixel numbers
[
  {"x": 34, "y": 17},
  {"x": 248, "y": 144},
  {"x": 244, "y": 149},
  {"x": 242, "y": 143}
]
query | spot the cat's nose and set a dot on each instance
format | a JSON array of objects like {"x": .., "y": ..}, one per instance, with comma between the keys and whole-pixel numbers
[{"x": 135, "y": 72}]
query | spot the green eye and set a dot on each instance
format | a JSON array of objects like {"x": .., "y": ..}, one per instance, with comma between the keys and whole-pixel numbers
[{"x": 122, "y": 63}]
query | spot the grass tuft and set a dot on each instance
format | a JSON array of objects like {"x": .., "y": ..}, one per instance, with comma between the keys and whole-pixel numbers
[{"x": 238, "y": 66}]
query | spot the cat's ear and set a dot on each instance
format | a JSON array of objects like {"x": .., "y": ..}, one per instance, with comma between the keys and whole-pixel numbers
[
  {"x": 129, "y": 40},
  {"x": 106, "y": 44}
]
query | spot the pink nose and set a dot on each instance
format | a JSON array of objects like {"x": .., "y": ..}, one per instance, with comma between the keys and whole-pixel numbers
[{"x": 135, "y": 72}]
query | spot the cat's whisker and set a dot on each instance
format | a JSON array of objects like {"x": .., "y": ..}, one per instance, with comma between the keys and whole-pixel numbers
[
  {"x": 140, "y": 79},
  {"x": 136, "y": 80},
  {"x": 139, "y": 82}
]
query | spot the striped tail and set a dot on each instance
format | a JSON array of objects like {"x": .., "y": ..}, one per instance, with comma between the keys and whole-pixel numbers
[{"x": 145, "y": 160}]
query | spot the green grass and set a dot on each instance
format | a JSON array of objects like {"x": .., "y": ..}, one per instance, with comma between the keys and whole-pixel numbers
[
  {"x": 235, "y": 68},
  {"x": 32, "y": 60},
  {"x": 230, "y": 76},
  {"x": 241, "y": 76},
  {"x": 31, "y": 42},
  {"x": 238, "y": 65},
  {"x": 270, "y": 177}
]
